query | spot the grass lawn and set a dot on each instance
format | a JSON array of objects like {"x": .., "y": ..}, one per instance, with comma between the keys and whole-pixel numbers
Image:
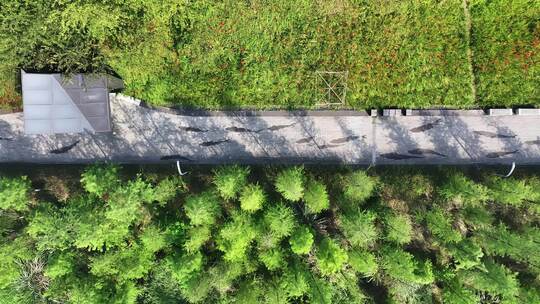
[
  {"x": 506, "y": 44},
  {"x": 265, "y": 54}
]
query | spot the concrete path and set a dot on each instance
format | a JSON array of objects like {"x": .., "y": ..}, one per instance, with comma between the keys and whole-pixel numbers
[{"x": 144, "y": 135}]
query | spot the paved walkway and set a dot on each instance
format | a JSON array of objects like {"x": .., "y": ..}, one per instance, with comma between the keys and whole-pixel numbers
[{"x": 143, "y": 135}]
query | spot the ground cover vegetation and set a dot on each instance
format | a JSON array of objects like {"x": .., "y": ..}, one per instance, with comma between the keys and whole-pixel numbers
[
  {"x": 265, "y": 54},
  {"x": 269, "y": 235}
]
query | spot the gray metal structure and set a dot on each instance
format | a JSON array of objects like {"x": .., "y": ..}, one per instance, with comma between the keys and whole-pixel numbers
[{"x": 57, "y": 104}]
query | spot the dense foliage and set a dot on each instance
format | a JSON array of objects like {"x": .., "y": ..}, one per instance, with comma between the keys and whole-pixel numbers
[
  {"x": 265, "y": 54},
  {"x": 241, "y": 235}
]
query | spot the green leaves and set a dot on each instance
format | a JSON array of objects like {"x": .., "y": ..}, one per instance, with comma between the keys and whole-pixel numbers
[
  {"x": 403, "y": 266},
  {"x": 128, "y": 243},
  {"x": 363, "y": 261},
  {"x": 440, "y": 225},
  {"x": 14, "y": 193}
]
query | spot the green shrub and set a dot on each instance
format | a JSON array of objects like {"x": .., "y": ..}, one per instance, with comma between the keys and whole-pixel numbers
[
  {"x": 290, "y": 183},
  {"x": 295, "y": 279},
  {"x": 316, "y": 197},
  {"x": 229, "y": 180},
  {"x": 301, "y": 240},
  {"x": 330, "y": 256},
  {"x": 203, "y": 208},
  {"x": 359, "y": 187},
  {"x": 14, "y": 193},
  {"x": 252, "y": 198}
]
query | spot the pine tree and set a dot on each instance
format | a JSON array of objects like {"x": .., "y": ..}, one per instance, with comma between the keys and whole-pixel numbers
[
  {"x": 403, "y": 266},
  {"x": 495, "y": 279},
  {"x": 252, "y": 198},
  {"x": 290, "y": 183},
  {"x": 14, "y": 193},
  {"x": 280, "y": 220},
  {"x": 359, "y": 227},
  {"x": 398, "y": 228},
  {"x": 100, "y": 179},
  {"x": 440, "y": 225},
  {"x": 203, "y": 208},
  {"x": 236, "y": 236},
  {"x": 301, "y": 240},
  {"x": 510, "y": 191},
  {"x": 330, "y": 256},
  {"x": 229, "y": 180},
  {"x": 359, "y": 187},
  {"x": 363, "y": 262},
  {"x": 316, "y": 197},
  {"x": 460, "y": 189}
]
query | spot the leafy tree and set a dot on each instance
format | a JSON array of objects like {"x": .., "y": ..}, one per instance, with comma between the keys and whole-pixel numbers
[
  {"x": 316, "y": 197},
  {"x": 14, "y": 193},
  {"x": 359, "y": 187},
  {"x": 290, "y": 183},
  {"x": 330, "y": 256},
  {"x": 462, "y": 190},
  {"x": 363, "y": 262},
  {"x": 398, "y": 228},
  {"x": 359, "y": 227},
  {"x": 203, "y": 208},
  {"x": 252, "y": 198},
  {"x": 301, "y": 240},
  {"x": 100, "y": 179},
  {"x": 229, "y": 180}
]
